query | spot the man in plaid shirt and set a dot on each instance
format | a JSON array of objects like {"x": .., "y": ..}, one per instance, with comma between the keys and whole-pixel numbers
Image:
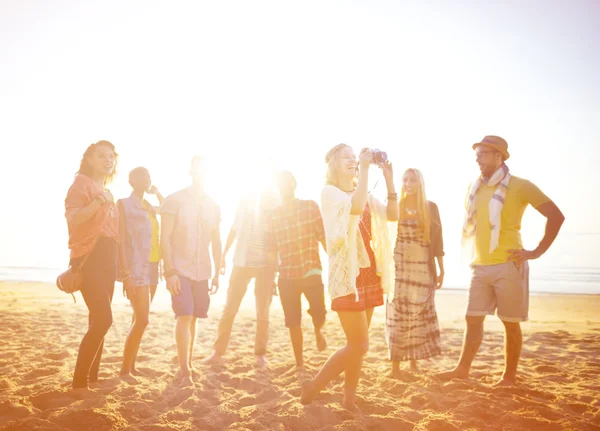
[{"x": 295, "y": 231}]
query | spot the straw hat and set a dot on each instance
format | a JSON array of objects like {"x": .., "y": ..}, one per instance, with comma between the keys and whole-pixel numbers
[{"x": 495, "y": 143}]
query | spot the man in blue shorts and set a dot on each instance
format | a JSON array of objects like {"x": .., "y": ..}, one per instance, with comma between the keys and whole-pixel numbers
[{"x": 190, "y": 224}]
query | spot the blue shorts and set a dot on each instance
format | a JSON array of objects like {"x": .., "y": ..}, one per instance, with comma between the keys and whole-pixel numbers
[{"x": 193, "y": 300}]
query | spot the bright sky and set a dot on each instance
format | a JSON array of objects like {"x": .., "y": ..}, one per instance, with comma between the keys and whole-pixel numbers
[{"x": 254, "y": 82}]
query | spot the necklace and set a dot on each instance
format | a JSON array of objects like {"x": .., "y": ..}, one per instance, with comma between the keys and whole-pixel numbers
[{"x": 410, "y": 212}]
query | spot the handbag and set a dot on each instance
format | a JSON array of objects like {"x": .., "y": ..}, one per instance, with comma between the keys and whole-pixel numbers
[{"x": 71, "y": 280}]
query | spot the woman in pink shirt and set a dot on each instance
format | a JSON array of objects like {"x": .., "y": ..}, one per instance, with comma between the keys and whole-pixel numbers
[{"x": 93, "y": 222}]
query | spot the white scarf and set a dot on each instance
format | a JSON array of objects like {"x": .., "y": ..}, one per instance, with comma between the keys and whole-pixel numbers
[{"x": 500, "y": 179}]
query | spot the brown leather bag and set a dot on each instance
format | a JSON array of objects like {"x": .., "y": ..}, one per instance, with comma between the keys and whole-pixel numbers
[{"x": 71, "y": 280}]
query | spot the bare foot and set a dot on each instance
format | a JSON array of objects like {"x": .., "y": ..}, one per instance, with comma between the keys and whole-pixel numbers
[
  {"x": 136, "y": 372},
  {"x": 215, "y": 358},
  {"x": 350, "y": 406},
  {"x": 321, "y": 342},
  {"x": 413, "y": 366},
  {"x": 129, "y": 379},
  {"x": 457, "y": 373},
  {"x": 396, "y": 373},
  {"x": 261, "y": 361},
  {"x": 186, "y": 380},
  {"x": 505, "y": 383},
  {"x": 81, "y": 393},
  {"x": 308, "y": 392},
  {"x": 300, "y": 367}
]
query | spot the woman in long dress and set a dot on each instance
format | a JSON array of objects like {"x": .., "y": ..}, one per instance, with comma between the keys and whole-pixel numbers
[{"x": 412, "y": 330}]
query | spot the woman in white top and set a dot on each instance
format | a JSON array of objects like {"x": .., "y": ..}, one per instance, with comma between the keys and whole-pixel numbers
[{"x": 361, "y": 265}]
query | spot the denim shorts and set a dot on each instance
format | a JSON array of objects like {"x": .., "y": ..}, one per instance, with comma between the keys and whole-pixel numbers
[{"x": 193, "y": 299}]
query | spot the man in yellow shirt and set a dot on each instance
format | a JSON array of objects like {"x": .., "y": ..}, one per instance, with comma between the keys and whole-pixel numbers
[{"x": 500, "y": 273}]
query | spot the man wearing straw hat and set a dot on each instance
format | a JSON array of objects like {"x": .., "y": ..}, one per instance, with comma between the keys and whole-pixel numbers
[{"x": 500, "y": 272}]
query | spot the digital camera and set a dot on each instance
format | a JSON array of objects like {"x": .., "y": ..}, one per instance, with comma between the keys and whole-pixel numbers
[{"x": 379, "y": 157}]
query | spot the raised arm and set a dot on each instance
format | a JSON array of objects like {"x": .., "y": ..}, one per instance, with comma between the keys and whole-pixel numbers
[
  {"x": 360, "y": 195},
  {"x": 392, "y": 209}
]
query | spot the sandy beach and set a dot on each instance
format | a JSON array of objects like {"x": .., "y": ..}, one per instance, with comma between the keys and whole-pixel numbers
[{"x": 558, "y": 389}]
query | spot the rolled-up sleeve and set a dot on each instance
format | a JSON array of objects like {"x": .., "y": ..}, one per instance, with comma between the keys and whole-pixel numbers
[{"x": 77, "y": 198}]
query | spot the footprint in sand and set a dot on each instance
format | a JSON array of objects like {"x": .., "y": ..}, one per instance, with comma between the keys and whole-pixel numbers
[
  {"x": 7, "y": 371},
  {"x": 14, "y": 410},
  {"x": 179, "y": 397},
  {"x": 547, "y": 369},
  {"x": 41, "y": 372},
  {"x": 56, "y": 356},
  {"x": 52, "y": 400},
  {"x": 135, "y": 411},
  {"x": 85, "y": 419},
  {"x": 577, "y": 407},
  {"x": 8, "y": 355}
]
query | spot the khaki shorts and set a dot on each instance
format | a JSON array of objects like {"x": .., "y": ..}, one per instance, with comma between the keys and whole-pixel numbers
[{"x": 502, "y": 287}]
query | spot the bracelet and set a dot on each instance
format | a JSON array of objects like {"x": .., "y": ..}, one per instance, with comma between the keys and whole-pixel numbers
[
  {"x": 104, "y": 200},
  {"x": 392, "y": 196},
  {"x": 170, "y": 272}
]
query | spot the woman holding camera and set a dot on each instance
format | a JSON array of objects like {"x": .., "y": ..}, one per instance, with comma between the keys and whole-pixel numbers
[
  {"x": 412, "y": 330},
  {"x": 93, "y": 222},
  {"x": 361, "y": 266}
]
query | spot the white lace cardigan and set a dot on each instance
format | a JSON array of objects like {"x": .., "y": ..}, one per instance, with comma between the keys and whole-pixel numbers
[{"x": 345, "y": 248}]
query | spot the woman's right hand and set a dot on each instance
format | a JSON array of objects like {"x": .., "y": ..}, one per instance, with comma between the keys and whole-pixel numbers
[
  {"x": 108, "y": 196},
  {"x": 365, "y": 157}
]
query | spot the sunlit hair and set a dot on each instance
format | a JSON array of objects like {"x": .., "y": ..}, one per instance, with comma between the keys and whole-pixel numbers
[
  {"x": 86, "y": 169},
  {"x": 135, "y": 172},
  {"x": 197, "y": 160},
  {"x": 283, "y": 176},
  {"x": 332, "y": 160},
  {"x": 423, "y": 216}
]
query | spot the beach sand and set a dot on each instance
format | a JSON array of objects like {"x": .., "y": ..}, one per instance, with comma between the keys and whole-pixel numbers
[{"x": 559, "y": 385}]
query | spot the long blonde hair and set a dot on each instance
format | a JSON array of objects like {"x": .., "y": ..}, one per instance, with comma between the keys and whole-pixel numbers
[
  {"x": 332, "y": 160},
  {"x": 423, "y": 216}
]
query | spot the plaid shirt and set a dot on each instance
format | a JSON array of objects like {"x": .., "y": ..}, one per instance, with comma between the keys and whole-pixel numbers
[{"x": 295, "y": 232}]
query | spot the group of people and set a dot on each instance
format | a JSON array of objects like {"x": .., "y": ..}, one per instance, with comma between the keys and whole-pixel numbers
[{"x": 376, "y": 250}]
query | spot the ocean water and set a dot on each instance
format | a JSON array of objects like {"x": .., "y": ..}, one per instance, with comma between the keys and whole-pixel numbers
[{"x": 570, "y": 266}]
